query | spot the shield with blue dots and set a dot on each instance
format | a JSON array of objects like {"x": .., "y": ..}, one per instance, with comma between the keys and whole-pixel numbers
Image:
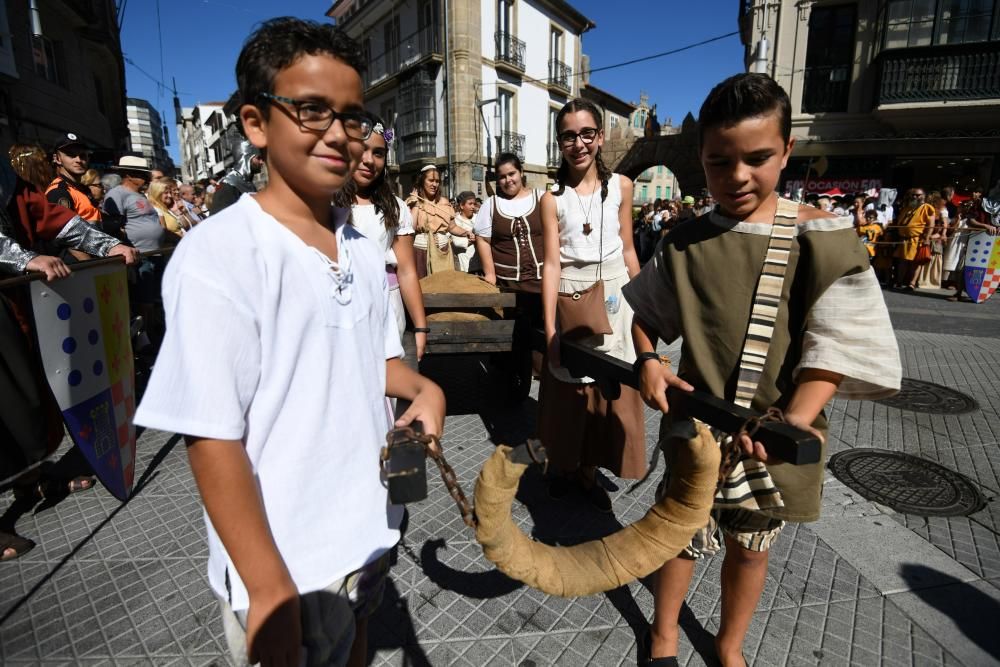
[
  {"x": 83, "y": 336},
  {"x": 982, "y": 266}
]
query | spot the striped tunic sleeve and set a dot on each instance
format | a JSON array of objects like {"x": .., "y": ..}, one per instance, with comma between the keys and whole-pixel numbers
[{"x": 849, "y": 332}]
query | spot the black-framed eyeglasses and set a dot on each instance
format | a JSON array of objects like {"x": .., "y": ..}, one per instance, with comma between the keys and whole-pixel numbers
[
  {"x": 313, "y": 115},
  {"x": 587, "y": 136}
]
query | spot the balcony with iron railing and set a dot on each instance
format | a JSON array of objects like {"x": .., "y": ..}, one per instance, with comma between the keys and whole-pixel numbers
[
  {"x": 512, "y": 142},
  {"x": 560, "y": 75},
  {"x": 554, "y": 155},
  {"x": 939, "y": 73},
  {"x": 510, "y": 52},
  {"x": 424, "y": 44}
]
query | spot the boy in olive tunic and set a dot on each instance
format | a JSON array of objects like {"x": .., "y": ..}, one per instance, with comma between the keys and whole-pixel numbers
[{"x": 832, "y": 336}]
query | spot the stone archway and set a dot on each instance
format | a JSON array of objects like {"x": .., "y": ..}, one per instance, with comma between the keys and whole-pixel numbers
[{"x": 679, "y": 152}]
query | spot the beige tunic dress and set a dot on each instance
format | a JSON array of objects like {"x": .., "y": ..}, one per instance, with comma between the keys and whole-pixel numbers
[
  {"x": 432, "y": 244},
  {"x": 700, "y": 286}
]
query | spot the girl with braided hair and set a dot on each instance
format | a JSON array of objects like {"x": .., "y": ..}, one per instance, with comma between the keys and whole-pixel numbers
[
  {"x": 384, "y": 218},
  {"x": 587, "y": 231}
]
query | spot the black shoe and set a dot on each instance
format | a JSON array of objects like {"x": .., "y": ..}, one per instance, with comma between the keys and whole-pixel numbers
[
  {"x": 598, "y": 497},
  {"x": 645, "y": 660}
]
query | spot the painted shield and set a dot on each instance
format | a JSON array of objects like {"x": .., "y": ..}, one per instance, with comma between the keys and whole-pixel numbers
[
  {"x": 982, "y": 266},
  {"x": 83, "y": 336}
]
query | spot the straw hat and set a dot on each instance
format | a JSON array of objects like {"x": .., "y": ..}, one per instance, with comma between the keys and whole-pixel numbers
[{"x": 132, "y": 164}]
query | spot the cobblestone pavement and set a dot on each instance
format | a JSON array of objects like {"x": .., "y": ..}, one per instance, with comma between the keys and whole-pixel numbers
[{"x": 124, "y": 584}]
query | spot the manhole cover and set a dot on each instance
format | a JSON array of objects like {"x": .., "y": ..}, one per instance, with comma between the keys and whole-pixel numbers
[
  {"x": 920, "y": 396},
  {"x": 906, "y": 483}
]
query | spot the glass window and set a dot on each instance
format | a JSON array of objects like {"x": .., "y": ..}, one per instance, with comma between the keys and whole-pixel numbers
[
  {"x": 659, "y": 190},
  {"x": 963, "y": 21},
  {"x": 46, "y": 61},
  {"x": 659, "y": 171},
  {"x": 645, "y": 193},
  {"x": 505, "y": 99},
  {"x": 909, "y": 23},
  {"x": 829, "y": 59},
  {"x": 504, "y": 23},
  {"x": 556, "y": 45}
]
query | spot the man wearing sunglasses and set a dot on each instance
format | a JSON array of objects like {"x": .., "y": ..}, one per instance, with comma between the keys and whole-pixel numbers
[{"x": 239, "y": 179}]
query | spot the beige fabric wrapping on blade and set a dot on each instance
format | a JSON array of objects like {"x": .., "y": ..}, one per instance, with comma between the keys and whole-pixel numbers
[{"x": 599, "y": 565}]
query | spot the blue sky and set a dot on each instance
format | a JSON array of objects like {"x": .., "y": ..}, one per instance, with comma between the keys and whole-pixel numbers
[{"x": 202, "y": 38}]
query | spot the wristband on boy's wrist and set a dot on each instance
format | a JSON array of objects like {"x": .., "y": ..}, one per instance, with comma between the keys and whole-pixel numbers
[
  {"x": 643, "y": 357},
  {"x": 423, "y": 330}
]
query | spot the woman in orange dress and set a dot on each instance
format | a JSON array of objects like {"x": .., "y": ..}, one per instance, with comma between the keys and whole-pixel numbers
[{"x": 913, "y": 228}]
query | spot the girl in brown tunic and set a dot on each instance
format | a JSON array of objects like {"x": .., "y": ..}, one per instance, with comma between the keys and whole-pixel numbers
[
  {"x": 510, "y": 247},
  {"x": 433, "y": 220}
]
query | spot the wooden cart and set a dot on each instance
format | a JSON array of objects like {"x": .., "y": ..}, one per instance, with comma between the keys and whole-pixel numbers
[{"x": 481, "y": 323}]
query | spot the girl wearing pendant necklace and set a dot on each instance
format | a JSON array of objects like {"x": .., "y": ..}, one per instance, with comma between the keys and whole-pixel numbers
[{"x": 587, "y": 230}]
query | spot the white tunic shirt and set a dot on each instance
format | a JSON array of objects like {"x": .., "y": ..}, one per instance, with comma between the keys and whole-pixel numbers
[
  {"x": 509, "y": 208},
  {"x": 368, "y": 222},
  {"x": 262, "y": 346},
  {"x": 574, "y": 210}
]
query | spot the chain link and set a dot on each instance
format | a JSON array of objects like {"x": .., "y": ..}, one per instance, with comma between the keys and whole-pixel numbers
[{"x": 451, "y": 483}]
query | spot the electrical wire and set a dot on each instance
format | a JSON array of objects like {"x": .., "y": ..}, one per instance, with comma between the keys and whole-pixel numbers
[
  {"x": 660, "y": 55},
  {"x": 149, "y": 76},
  {"x": 121, "y": 13},
  {"x": 159, "y": 34},
  {"x": 633, "y": 61}
]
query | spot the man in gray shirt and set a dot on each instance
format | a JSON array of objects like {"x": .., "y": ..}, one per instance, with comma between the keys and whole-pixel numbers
[{"x": 142, "y": 222}]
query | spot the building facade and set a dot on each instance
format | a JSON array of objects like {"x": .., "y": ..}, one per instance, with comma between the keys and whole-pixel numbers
[
  {"x": 893, "y": 93},
  {"x": 63, "y": 72},
  {"x": 148, "y": 139},
  {"x": 459, "y": 89},
  {"x": 656, "y": 183},
  {"x": 204, "y": 150},
  {"x": 618, "y": 136}
]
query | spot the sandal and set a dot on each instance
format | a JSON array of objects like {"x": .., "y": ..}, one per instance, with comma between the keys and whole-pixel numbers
[
  {"x": 81, "y": 483},
  {"x": 47, "y": 488},
  {"x": 646, "y": 659},
  {"x": 19, "y": 545}
]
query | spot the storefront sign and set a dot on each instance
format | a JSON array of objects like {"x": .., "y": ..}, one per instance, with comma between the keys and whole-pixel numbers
[{"x": 845, "y": 185}]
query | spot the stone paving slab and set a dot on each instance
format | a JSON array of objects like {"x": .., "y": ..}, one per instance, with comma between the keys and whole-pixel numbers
[{"x": 113, "y": 584}]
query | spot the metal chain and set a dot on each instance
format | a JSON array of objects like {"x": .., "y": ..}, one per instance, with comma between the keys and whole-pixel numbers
[{"x": 451, "y": 481}]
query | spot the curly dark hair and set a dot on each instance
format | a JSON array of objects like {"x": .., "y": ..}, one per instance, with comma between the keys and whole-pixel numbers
[
  {"x": 562, "y": 174},
  {"x": 379, "y": 192},
  {"x": 278, "y": 43}
]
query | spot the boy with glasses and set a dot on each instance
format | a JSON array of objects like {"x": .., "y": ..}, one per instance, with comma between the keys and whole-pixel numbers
[{"x": 280, "y": 350}]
